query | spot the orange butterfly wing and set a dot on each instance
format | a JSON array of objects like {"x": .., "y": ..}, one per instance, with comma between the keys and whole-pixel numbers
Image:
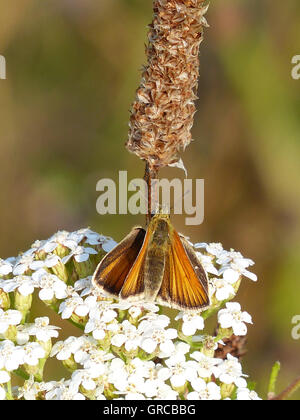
[
  {"x": 184, "y": 285},
  {"x": 112, "y": 271},
  {"x": 134, "y": 284},
  {"x": 197, "y": 266}
]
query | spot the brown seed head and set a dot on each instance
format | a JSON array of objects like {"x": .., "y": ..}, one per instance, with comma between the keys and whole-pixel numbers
[{"x": 162, "y": 114}]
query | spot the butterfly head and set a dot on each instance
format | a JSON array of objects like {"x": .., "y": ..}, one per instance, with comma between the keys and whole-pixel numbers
[{"x": 161, "y": 211}]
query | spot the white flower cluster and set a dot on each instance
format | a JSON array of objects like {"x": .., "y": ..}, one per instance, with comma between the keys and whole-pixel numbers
[{"x": 125, "y": 350}]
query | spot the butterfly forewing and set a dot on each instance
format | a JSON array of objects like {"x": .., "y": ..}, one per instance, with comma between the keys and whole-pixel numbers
[
  {"x": 134, "y": 285},
  {"x": 182, "y": 286},
  {"x": 112, "y": 271},
  {"x": 197, "y": 266}
]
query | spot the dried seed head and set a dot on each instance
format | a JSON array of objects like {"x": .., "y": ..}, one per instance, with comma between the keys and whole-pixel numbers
[
  {"x": 236, "y": 346},
  {"x": 162, "y": 114}
]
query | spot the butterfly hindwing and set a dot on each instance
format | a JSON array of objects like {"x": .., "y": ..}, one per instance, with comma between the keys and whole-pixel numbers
[{"x": 112, "y": 271}]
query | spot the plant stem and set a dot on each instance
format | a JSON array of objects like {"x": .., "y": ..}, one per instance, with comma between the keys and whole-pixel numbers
[
  {"x": 273, "y": 380},
  {"x": 9, "y": 395},
  {"x": 288, "y": 392},
  {"x": 211, "y": 311}
]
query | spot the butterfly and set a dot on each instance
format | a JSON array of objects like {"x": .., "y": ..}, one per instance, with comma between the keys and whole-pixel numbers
[{"x": 154, "y": 265}]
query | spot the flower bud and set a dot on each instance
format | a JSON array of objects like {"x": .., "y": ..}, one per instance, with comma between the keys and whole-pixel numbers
[
  {"x": 61, "y": 251},
  {"x": 227, "y": 390},
  {"x": 47, "y": 346},
  {"x": 23, "y": 304},
  {"x": 90, "y": 394},
  {"x": 224, "y": 333},
  {"x": 80, "y": 320},
  {"x": 40, "y": 255},
  {"x": 84, "y": 269},
  {"x": 70, "y": 364},
  {"x": 36, "y": 370},
  {"x": 60, "y": 270},
  {"x": 181, "y": 390},
  {"x": 145, "y": 356},
  {"x": 236, "y": 285},
  {"x": 129, "y": 355},
  {"x": 110, "y": 392},
  {"x": 11, "y": 333},
  {"x": 4, "y": 300},
  {"x": 96, "y": 258}
]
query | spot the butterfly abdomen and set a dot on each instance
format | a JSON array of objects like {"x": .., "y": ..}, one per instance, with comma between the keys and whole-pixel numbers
[{"x": 155, "y": 261}]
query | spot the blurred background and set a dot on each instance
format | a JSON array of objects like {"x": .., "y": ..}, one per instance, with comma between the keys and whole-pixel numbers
[{"x": 72, "y": 70}]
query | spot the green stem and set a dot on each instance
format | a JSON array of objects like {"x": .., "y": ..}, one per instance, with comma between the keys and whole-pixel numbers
[
  {"x": 82, "y": 327},
  {"x": 211, "y": 311},
  {"x": 39, "y": 375},
  {"x": 188, "y": 340},
  {"x": 9, "y": 394},
  {"x": 273, "y": 379}
]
